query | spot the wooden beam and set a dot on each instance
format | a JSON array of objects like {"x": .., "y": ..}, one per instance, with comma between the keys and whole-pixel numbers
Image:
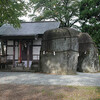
[
  {"x": 10, "y": 45},
  {"x": 37, "y": 45}
]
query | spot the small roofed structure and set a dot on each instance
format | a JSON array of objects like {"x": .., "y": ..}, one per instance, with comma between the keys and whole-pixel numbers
[
  {"x": 22, "y": 46},
  {"x": 88, "y": 60},
  {"x": 59, "y": 51}
]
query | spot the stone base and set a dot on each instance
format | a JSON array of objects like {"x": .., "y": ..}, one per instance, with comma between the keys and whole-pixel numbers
[
  {"x": 60, "y": 63},
  {"x": 22, "y": 69},
  {"x": 89, "y": 60}
]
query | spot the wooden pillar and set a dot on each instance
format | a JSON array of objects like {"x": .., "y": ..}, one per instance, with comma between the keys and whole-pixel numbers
[
  {"x": 28, "y": 55},
  {"x": 20, "y": 58},
  {"x": 32, "y": 51},
  {"x": 6, "y": 50},
  {"x": 14, "y": 54},
  {"x": 2, "y": 47}
]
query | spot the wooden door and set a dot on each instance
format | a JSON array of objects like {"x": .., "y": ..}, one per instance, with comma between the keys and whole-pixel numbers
[{"x": 25, "y": 50}]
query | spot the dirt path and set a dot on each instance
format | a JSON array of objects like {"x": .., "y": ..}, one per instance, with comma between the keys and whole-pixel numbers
[{"x": 82, "y": 79}]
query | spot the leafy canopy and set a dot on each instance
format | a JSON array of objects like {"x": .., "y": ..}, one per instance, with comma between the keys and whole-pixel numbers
[
  {"x": 65, "y": 11},
  {"x": 11, "y": 10},
  {"x": 90, "y": 18}
]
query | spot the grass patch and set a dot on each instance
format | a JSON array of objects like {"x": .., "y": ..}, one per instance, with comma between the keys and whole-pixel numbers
[{"x": 34, "y": 92}]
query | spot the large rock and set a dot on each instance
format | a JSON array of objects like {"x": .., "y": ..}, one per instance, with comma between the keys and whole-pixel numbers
[
  {"x": 59, "y": 51},
  {"x": 88, "y": 60}
]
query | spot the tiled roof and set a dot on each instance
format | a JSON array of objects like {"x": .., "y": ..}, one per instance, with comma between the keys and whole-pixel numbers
[{"x": 28, "y": 28}]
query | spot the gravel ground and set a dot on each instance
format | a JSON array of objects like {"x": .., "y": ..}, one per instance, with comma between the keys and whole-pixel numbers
[{"x": 81, "y": 79}]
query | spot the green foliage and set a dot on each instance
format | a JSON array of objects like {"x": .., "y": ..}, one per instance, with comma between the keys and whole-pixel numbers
[
  {"x": 11, "y": 10},
  {"x": 90, "y": 19},
  {"x": 65, "y": 11}
]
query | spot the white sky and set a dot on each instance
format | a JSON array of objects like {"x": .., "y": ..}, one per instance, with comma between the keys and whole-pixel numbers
[
  {"x": 28, "y": 19},
  {"x": 25, "y": 18}
]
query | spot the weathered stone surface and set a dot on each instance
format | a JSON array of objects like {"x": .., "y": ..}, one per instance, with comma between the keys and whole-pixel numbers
[
  {"x": 62, "y": 52},
  {"x": 59, "y": 51},
  {"x": 88, "y": 60},
  {"x": 60, "y": 63}
]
